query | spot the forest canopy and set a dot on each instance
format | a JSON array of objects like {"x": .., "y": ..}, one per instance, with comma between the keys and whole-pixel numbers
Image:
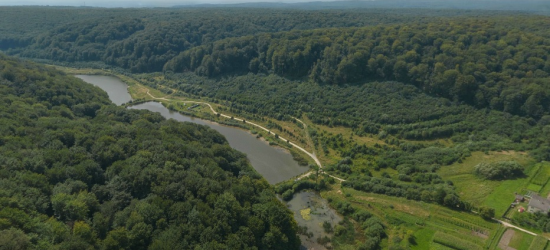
[
  {"x": 77, "y": 172},
  {"x": 471, "y": 61},
  {"x": 495, "y": 60}
]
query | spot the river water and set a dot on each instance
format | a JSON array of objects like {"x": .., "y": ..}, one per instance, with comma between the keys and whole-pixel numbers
[
  {"x": 274, "y": 164},
  {"x": 116, "y": 89}
]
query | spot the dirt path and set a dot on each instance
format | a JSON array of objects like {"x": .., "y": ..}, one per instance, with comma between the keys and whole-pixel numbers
[
  {"x": 251, "y": 123},
  {"x": 308, "y": 138},
  {"x": 506, "y": 224},
  {"x": 505, "y": 240},
  {"x": 312, "y": 155}
]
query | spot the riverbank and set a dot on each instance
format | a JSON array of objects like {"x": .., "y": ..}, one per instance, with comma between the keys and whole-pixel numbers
[{"x": 142, "y": 94}]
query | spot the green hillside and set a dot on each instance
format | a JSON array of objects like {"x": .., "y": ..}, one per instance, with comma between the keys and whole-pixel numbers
[{"x": 77, "y": 172}]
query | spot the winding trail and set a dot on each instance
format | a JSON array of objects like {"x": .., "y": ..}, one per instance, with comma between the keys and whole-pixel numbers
[
  {"x": 312, "y": 155},
  {"x": 506, "y": 224},
  {"x": 244, "y": 121}
]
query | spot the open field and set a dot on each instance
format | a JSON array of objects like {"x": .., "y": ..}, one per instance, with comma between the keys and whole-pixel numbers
[
  {"x": 427, "y": 224},
  {"x": 495, "y": 194},
  {"x": 521, "y": 240},
  {"x": 539, "y": 181}
]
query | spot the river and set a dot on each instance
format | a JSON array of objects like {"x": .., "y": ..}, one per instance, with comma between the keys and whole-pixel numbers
[
  {"x": 273, "y": 163},
  {"x": 116, "y": 89}
]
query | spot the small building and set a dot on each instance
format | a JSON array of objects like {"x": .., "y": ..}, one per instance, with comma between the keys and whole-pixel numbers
[
  {"x": 538, "y": 204},
  {"x": 519, "y": 198},
  {"x": 521, "y": 210}
]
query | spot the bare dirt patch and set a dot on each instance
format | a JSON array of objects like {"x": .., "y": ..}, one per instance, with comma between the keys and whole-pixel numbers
[
  {"x": 480, "y": 235},
  {"x": 505, "y": 240}
]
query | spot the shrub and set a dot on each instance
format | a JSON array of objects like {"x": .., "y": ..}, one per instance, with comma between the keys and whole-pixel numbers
[{"x": 499, "y": 170}]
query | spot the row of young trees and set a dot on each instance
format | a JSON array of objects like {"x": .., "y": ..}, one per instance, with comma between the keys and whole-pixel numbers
[
  {"x": 77, "y": 172},
  {"x": 383, "y": 109}
]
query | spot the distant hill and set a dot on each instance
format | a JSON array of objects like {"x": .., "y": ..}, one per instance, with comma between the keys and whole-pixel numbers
[{"x": 537, "y": 6}]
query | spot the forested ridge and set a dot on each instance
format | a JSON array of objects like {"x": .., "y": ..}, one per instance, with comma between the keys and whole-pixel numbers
[
  {"x": 473, "y": 61},
  {"x": 487, "y": 60},
  {"x": 143, "y": 40},
  {"x": 77, "y": 172}
]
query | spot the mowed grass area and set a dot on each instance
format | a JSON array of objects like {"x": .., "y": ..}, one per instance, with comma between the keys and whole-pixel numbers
[
  {"x": 521, "y": 240},
  {"x": 539, "y": 243},
  {"x": 422, "y": 221},
  {"x": 503, "y": 195},
  {"x": 539, "y": 181},
  {"x": 423, "y": 238},
  {"x": 495, "y": 194}
]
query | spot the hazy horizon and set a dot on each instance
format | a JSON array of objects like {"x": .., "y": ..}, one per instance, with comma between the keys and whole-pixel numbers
[
  {"x": 530, "y": 5},
  {"x": 133, "y": 3}
]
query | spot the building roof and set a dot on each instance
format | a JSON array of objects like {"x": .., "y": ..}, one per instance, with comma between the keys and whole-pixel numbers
[
  {"x": 519, "y": 197},
  {"x": 539, "y": 203}
]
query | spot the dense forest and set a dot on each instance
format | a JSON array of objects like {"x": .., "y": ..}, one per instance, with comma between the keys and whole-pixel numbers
[
  {"x": 143, "y": 40},
  {"x": 470, "y": 61},
  {"x": 493, "y": 60},
  {"x": 77, "y": 172}
]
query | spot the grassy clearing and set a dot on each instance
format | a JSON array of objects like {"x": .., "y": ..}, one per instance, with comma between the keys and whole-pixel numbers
[
  {"x": 422, "y": 238},
  {"x": 421, "y": 220},
  {"x": 347, "y": 133},
  {"x": 453, "y": 242},
  {"x": 503, "y": 195},
  {"x": 534, "y": 187},
  {"x": 521, "y": 240},
  {"x": 437, "y": 246},
  {"x": 539, "y": 243},
  {"x": 495, "y": 194},
  {"x": 541, "y": 178}
]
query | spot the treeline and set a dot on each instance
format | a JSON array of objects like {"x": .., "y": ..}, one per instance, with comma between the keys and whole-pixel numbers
[
  {"x": 441, "y": 194},
  {"x": 416, "y": 180},
  {"x": 143, "y": 40},
  {"x": 539, "y": 221},
  {"x": 79, "y": 173},
  {"x": 469, "y": 60},
  {"x": 389, "y": 110},
  {"x": 499, "y": 170}
]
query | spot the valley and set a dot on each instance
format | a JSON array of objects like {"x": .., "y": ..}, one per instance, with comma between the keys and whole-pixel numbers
[
  {"x": 274, "y": 128},
  {"x": 411, "y": 217}
]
